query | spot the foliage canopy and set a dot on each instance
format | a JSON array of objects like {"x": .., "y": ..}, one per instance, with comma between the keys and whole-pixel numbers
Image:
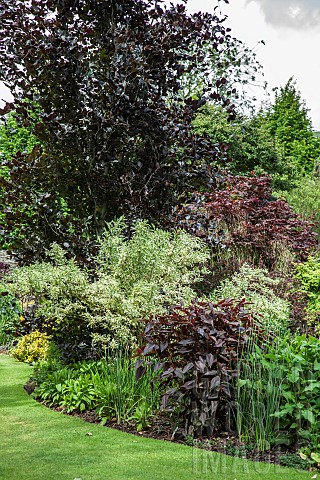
[
  {"x": 291, "y": 128},
  {"x": 114, "y": 124}
]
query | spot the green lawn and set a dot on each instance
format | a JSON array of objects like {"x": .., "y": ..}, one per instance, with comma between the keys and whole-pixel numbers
[{"x": 39, "y": 444}]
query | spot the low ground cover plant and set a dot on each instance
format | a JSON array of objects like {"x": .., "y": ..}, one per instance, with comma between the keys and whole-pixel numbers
[{"x": 108, "y": 387}]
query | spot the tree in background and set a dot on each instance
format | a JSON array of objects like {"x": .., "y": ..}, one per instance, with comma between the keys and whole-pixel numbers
[
  {"x": 277, "y": 140},
  {"x": 248, "y": 142},
  {"x": 291, "y": 128},
  {"x": 14, "y": 138},
  {"x": 115, "y": 125}
]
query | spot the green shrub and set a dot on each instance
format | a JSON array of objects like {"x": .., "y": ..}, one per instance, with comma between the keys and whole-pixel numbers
[
  {"x": 257, "y": 288},
  {"x": 135, "y": 278},
  {"x": 305, "y": 199},
  {"x": 32, "y": 347},
  {"x": 289, "y": 125},
  {"x": 308, "y": 274},
  {"x": 250, "y": 144},
  {"x": 278, "y": 393},
  {"x": 14, "y": 138},
  {"x": 299, "y": 412},
  {"x": 10, "y": 312}
]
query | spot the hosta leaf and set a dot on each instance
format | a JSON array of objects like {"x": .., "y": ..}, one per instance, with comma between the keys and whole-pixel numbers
[
  {"x": 315, "y": 456},
  {"x": 303, "y": 456}
]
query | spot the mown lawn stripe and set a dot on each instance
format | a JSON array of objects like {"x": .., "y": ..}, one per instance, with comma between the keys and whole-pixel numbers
[{"x": 40, "y": 444}]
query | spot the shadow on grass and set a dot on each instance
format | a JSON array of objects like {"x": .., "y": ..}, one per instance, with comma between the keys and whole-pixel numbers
[{"x": 13, "y": 396}]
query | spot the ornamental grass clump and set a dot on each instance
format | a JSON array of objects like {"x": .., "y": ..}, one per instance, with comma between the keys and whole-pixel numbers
[{"x": 258, "y": 397}]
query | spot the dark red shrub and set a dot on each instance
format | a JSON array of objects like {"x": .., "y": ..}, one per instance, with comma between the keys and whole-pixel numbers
[
  {"x": 248, "y": 223},
  {"x": 198, "y": 348}
]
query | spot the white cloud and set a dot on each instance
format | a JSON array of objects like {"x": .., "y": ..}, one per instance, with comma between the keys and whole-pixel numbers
[
  {"x": 296, "y": 14},
  {"x": 287, "y": 51}
]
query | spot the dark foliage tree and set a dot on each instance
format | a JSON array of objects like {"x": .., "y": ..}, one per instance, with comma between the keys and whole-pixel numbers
[{"x": 114, "y": 126}]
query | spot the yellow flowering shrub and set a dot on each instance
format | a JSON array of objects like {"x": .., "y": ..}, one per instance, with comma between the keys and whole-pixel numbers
[{"x": 32, "y": 347}]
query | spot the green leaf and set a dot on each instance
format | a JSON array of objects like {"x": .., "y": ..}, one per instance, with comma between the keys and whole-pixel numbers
[
  {"x": 294, "y": 376},
  {"x": 303, "y": 456},
  {"x": 315, "y": 456},
  {"x": 308, "y": 415},
  {"x": 312, "y": 386}
]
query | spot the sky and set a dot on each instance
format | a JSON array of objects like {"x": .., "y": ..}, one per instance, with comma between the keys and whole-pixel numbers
[{"x": 291, "y": 32}]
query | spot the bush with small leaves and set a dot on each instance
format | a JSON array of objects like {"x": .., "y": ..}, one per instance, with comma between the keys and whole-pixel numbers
[
  {"x": 258, "y": 289},
  {"x": 308, "y": 274},
  {"x": 10, "y": 315},
  {"x": 244, "y": 223},
  {"x": 136, "y": 278},
  {"x": 32, "y": 347}
]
